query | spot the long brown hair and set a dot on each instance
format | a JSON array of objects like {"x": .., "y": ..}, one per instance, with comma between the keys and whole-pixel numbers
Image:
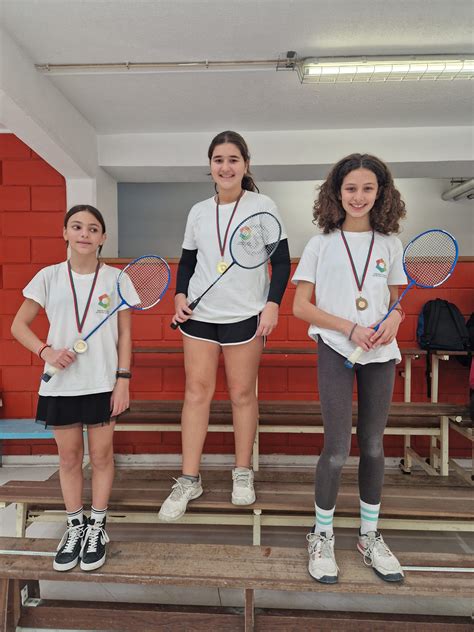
[
  {"x": 236, "y": 139},
  {"x": 387, "y": 210}
]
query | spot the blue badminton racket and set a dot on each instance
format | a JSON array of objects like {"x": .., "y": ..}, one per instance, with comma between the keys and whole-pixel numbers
[
  {"x": 140, "y": 285},
  {"x": 428, "y": 260}
]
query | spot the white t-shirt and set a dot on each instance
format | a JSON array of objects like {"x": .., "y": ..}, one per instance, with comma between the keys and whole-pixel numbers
[
  {"x": 325, "y": 263},
  {"x": 93, "y": 371},
  {"x": 241, "y": 293}
]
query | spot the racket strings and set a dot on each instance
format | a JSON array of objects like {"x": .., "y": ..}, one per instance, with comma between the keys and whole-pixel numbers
[
  {"x": 146, "y": 278},
  {"x": 255, "y": 240},
  {"x": 430, "y": 258}
]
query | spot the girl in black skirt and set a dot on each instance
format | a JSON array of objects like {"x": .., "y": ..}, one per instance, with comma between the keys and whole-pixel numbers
[{"x": 91, "y": 388}]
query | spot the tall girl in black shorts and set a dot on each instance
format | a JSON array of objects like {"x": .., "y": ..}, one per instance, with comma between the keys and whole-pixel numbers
[
  {"x": 91, "y": 388},
  {"x": 234, "y": 317}
]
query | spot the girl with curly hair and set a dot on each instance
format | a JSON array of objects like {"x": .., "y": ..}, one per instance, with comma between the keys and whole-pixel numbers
[{"x": 354, "y": 269}]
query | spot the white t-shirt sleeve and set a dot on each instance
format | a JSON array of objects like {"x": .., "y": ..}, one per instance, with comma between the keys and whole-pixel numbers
[
  {"x": 37, "y": 288},
  {"x": 396, "y": 275},
  {"x": 189, "y": 241},
  {"x": 308, "y": 265}
]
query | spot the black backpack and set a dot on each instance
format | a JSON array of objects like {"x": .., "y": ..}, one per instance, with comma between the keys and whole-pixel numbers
[{"x": 441, "y": 327}]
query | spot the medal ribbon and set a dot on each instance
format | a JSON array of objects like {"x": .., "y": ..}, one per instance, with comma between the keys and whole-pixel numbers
[
  {"x": 80, "y": 323},
  {"x": 354, "y": 271},
  {"x": 222, "y": 245}
]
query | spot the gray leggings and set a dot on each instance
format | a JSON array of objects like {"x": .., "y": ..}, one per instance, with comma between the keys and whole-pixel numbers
[{"x": 374, "y": 388}]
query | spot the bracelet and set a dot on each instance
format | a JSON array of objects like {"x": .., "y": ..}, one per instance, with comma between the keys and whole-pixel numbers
[
  {"x": 42, "y": 349},
  {"x": 352, "y": 331},
  {"x": 123, "y": 370},
  {"x": 401, "y": 312},
  {"x": 127, "y": 375}
]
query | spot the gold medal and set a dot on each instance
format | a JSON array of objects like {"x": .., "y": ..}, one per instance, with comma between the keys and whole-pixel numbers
[
  {"x": 80, "y": 346},
  {"x": 361, "y": 303},
  {"x": 222, "y": 267}
]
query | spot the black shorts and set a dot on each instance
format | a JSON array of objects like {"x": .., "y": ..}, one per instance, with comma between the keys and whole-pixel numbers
[
  {"x": 222, "y": 333},
  {"x": 70, "y": 411}
]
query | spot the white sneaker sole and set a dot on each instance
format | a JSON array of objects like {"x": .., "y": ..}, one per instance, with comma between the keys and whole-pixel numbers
[
  {"x": 65, "y": 567},
  {"x": 238, "y": 500},
  {"x": 93, "y": 566},
  {"x": 167, "y": 518}
]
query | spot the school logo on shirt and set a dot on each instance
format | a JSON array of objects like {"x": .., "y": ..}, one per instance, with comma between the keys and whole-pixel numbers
[
  {"x": 104, "y": 303},
  {"x": 380, "y": 268}
]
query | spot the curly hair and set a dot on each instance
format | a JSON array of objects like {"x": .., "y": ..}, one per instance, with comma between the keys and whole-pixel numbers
[
  {"x": 236, "y": 139},
  {"x": 387, "y": 210}
]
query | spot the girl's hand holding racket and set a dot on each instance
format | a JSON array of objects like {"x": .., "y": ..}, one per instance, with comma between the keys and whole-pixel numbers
[
  {"x": 361, "y": 336},
  {"x": 428, "y": 260},
  {"x": 387, "y": 332},
  {"x": 183, "y": 312},
  {"x": 58, "y": 358}
]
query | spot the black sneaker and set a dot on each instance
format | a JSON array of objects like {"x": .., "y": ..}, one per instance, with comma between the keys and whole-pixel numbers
[
  {"x": 69, "y": 549},
  {"x": 93, "y": 545}
]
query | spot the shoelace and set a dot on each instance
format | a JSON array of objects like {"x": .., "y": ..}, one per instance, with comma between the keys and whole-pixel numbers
[
  {"x": 70, "y": 538},
  {"x": 242, "y": 479},
  {"x": 91, "y": 538},
  {"x": 319, "y": 545},
  {"x": 178, "y": 489},
  {"x": 375, "y": 543}
]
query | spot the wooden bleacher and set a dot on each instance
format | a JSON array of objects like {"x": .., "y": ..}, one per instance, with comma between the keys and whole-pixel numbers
[{"x": 25, "y": 562}]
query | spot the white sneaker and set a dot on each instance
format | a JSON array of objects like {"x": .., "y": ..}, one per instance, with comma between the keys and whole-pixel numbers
[
  {"x": 377, "y": 554},
  {"x": 322, "y": 563},
  {"x": 182, "y": 492},
  {"x": 243, "y": 492}
]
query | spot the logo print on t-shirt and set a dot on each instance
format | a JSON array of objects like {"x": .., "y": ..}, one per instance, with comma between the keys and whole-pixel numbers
[
  {"x": 381, "y": 265},
  {"x": 104, "y": 301}
]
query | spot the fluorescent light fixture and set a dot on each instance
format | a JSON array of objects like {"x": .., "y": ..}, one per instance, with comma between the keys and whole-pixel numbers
[{"x": 379, "y": 69}]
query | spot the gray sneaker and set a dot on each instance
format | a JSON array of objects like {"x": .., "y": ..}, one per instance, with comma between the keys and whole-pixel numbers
[
  {"x": 377, "y": 554},
  {"x": 243, "y": 492},
  {"x": 182, "y": 492},
  {"x": 322, "y": 563}
]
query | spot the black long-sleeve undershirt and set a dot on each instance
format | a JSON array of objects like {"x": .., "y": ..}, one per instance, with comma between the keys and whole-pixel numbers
[{"x": 280, "y": 262}]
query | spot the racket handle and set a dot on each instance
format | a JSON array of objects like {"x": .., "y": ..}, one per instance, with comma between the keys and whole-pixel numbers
[
  {"x": 192, "y": 306},
  {"x": 48, "y": 374},
  {"x": 352, "y": 359}
]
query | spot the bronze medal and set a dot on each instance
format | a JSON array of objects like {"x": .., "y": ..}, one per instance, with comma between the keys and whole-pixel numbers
[{"x": 361, "y": 303}]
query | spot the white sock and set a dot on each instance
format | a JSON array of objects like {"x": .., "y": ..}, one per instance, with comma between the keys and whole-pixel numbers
[
  {"x": 75, "y": 515},
  {"x": 324, "y": 520},
  {"x": 98, "y": 515},
  {"x": 369, "y": 516}
]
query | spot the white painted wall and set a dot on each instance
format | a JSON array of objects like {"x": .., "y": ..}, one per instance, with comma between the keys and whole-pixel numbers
[{"x": 153, "y": 216}]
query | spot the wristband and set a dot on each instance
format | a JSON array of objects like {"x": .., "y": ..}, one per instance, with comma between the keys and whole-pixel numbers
[
  {"x": 121, "y": 369},
  {"x": 42, "y": 349},
  {"x": 352, "y": 331},
  {"x": 127, "y": 375},
  {"x": 401, "y": 312}
]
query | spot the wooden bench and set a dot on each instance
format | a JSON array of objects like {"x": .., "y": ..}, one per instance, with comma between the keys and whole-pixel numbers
[
  {"x": 406, "y": 419},
  {"x": 25, "y": 562},
  {"x": 284, "y": 499}
]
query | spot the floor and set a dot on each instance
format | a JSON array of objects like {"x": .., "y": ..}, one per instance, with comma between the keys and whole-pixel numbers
[{"x": 345, "y": 539}]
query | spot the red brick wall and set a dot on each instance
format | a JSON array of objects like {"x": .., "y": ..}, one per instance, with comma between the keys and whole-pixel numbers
[{"x": 32, "y": 205}]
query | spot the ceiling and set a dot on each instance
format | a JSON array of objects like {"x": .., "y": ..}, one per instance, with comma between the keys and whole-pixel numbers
[{"x": 72, "y": 31}]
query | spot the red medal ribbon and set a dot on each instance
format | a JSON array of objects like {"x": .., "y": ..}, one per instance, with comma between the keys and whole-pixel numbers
[
  {"x": 80, "y": 323},
  {"x": 369, "y": 254},
  {"x": 222, "y": 245}
]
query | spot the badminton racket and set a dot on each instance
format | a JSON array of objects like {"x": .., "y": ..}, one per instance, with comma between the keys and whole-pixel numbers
[
  {"x": 428, "y": 260},
  {"x": 251, "y": 245},
  {"x": 140, "y": 285}
]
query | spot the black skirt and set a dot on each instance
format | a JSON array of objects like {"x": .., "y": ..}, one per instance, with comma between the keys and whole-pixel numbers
[{"x": 78, "y": 410}]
